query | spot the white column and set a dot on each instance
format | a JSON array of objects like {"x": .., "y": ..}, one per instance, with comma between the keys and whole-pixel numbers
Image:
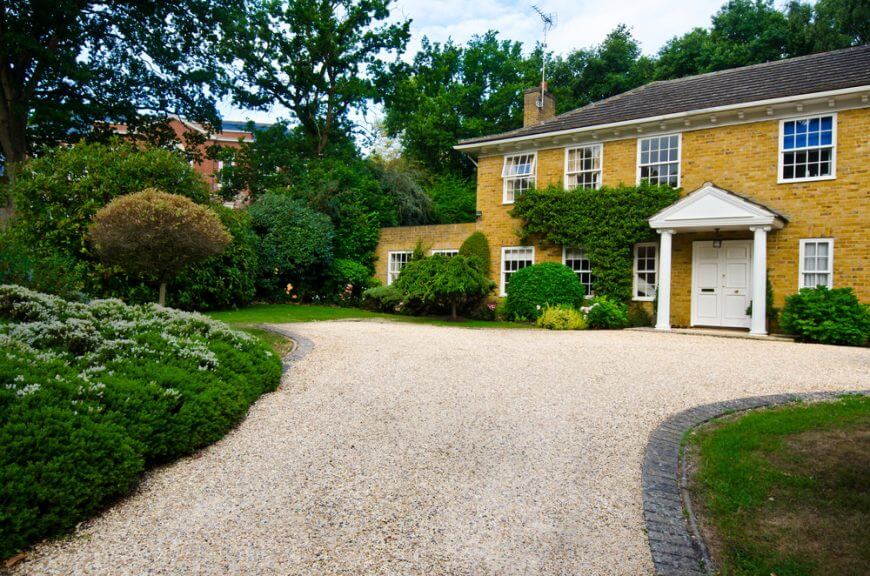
[
  {"x": 663, "y": 314},
  {"x": 759, "y": 280}
]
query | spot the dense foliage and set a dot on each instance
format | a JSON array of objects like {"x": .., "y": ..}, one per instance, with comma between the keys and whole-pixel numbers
[
  {"x": 606, "y": 314},
  {"x": 383, "y": 299},
  {"x": 155, "y": 234},
  {"x": 90, "y": 394},
  {"x": 607, "y": 223},
  {"x": 443, "y": 283},
  {"x": 476, "y": 247},
  {"x": 454, "y": 199},
  {"x": 294, "y": 243},
  {"x": 533, "y": 288},
  {"x": 827, "y": 316},
  {"x": 561, "y": 318}
]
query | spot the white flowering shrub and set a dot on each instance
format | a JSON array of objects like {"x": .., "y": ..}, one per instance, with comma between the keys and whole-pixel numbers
[{"x": 91, "y": 393}]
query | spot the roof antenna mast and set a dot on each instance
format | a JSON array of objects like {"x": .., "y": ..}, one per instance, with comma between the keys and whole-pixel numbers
[{"x": 549, "y": 22}]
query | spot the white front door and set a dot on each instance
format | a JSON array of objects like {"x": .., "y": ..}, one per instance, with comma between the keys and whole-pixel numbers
[{"x": 721, "y": 278}]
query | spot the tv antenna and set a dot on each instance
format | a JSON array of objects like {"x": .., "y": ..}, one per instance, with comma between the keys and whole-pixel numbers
[{"x": 549, "y": 22}]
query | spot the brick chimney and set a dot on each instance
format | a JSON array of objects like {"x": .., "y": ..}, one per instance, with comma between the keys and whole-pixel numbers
[{"x": 535, "y": 111}]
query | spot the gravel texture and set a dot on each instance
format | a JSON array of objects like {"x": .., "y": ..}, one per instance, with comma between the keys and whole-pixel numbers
[{"x": 408, "y": 449}]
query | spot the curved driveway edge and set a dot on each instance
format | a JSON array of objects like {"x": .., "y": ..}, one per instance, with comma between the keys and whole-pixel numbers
[
  {"x": 674, "y": 539},
  {"x": 300, "y": 350}
]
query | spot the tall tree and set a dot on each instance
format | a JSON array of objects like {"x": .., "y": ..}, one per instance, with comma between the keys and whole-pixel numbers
[
  {"x": 67, "y": 64},
  {"x": 315, "y": 57}
]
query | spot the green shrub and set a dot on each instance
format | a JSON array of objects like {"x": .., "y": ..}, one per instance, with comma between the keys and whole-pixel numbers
[
  {"x": 606, "y": 314},
  {"x": 441, "y": 283},
  {"x": 346, "y": 282},
  {"x": 294, "y": 244},
  {"x": 382, "y": 299},
  {"x": 561, "y": 318},
  {"x": 476, "y": 246},
  {"x": 224, "y": 281},
  {"x": 90, "y": 394},
  {"x": 534, "y": 287},
  {"x": 638, "y": 315},
  {"x": 827, "y": 316}
]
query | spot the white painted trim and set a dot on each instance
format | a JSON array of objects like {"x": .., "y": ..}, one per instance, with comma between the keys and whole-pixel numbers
[
  {"x": 504, "y": 179},
  {"x": 444, "y": 251},
  {"x": 830, "y": 272},
  {"x": 755, "y": 215},
  {"x": 591, "y": 292},
  {"x": 390, "y": 260},
  {"x": 634, "y": 272},
  {"x": 673, "y": 116},
  {"x": 501, "y": 285},
  {"x": 679, "y": 136},
  {"x": 693, "y": 306},
  {"x": 833, "y": 175},
  {"x": 600, "y": 170}
]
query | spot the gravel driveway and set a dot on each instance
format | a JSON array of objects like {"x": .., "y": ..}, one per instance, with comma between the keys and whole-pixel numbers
[{"x": 408, "y": 449}]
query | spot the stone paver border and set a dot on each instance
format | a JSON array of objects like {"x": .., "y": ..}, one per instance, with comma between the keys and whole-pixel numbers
[
  {"x": 674, "y": 539},
  {"x": 301, "y": 348}
]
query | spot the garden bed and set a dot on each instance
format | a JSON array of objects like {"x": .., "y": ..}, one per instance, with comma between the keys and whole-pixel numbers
[
  {"x": 785, "y": 491},
  {"x": 92, "y": 394}
]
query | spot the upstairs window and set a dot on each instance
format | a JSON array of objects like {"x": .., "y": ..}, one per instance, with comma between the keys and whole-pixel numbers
[
  {"x": 395, "y": 263},
  {"x": 807, "y": 149},
  {"x": 817, "y": 263},
  {"x": 576, "y": 260},
  {"x": 583, "y": 167},
  {"x": 658, "y": 160},
  {"x": 518, "y": 175},
  {"x": 645, "y": 271}
]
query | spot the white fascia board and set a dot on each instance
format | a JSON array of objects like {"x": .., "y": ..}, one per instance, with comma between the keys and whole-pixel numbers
[{"x": 665, "y": 117}]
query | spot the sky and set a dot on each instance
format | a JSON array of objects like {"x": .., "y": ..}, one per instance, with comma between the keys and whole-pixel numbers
[{"x": 579, "y": 24}]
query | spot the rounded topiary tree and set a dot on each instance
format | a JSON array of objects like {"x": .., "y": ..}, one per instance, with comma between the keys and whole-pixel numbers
[
  {"x": 534, "y": 287},
  {"x": 152, "y": 233},
  {"x": 477, "y": 246}
]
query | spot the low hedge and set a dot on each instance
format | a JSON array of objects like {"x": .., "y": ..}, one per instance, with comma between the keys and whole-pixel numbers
[
  {"x": 533, "y": 288},
  {"x": 91, "y": 394},
  {"x": 827, "y": 316}
]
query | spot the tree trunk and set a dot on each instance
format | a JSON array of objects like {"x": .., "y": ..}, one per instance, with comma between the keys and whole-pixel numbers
[
  {"x": 13, "y": 141},
  {"x": 453, "y": 310},
  {"x": 162, "y": 298}
]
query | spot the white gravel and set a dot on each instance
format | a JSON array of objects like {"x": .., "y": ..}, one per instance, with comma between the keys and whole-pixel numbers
[{"x": 408, "y": 449}]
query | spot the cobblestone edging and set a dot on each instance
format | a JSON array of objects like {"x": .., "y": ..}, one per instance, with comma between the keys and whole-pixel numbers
[
  {"x": 300, "y": 350},
  {"x": 674, "y": 540}
]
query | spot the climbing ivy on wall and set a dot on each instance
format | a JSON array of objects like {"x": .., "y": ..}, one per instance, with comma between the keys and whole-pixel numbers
[{"x": 606, "y": 222}]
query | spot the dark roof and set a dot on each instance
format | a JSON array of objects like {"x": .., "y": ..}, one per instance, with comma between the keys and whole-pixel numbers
[{"x": 835, "y": 70}]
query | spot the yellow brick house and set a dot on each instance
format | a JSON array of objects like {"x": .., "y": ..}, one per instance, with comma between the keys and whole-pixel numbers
[{"x": 773, "y": 160}]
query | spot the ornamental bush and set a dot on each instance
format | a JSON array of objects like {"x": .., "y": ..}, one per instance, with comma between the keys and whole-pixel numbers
[
  {"x": 346, "y": 281},
  {"x": 606, "y": 314},
  {"x": 442, "y": 283},
  {"x": 535, "y": 287},
  {"x": 607, "y": 222},
  {"x": 561, "y": 318},
  {"x": 827, "y": 316},
  {"x": 383, "y": 299},
  {"x": 476, "y": 246},
  {"x": 294, "y": 245},
  {"x": 91, "y": 394}
]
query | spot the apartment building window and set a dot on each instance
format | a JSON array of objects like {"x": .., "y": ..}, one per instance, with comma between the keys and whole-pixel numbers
[
  {"x": 816, "y": 263},
  {"x": 512, "y": 259},
  {"x": 518, "y": 175},
  {"x": 445, "y": 252},
  {"x": 658, "y": 160},
  {"x": 395, "y": 262},
  {"x": 583, "y": 167},
  {"x": 645, "y": 271},
  {"x": 575, "y": 259},
  {"x": 807, "y": 149}
]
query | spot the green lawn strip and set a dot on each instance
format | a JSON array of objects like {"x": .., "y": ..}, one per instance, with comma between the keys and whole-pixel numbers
[
  {"x": 280, "y": 344},
  {"x": 287, "y": 313},
  {"x": 787, "y": 491}
]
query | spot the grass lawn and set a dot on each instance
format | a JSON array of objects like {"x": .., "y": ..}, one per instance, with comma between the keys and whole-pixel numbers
[
  {"x": 786, "y": 491},
  {"x": 280, "y": 344},
  {"x": 284, "y": 313}
]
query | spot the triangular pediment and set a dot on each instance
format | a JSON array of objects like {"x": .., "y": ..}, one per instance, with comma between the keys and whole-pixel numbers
[{"x": 711, "y": 207}]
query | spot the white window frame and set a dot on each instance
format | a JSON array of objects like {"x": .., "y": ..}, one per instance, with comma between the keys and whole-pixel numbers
[
  {"x": 635, "y": 272},
  {"x": 445, "y": 252},
  {"x": 569, "y": 173},
  {"x": 782, "y": 150},
  {"x": 565, "y": 249},
  {"x": 829, "y": 271},
  {"x": 390, "y": 277},
  {"x": 533, "y": 177},
  {"x": 502, "y": 286},
  {"x": 638, "y": 165}
]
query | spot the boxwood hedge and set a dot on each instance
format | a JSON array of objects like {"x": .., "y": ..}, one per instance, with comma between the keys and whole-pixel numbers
[
  {"x": 534, "y": 287},
  {"x": 91, "y": 394}
]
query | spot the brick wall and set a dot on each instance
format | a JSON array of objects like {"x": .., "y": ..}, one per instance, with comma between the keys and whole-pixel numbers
[{"x": 741, "y": 158}]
